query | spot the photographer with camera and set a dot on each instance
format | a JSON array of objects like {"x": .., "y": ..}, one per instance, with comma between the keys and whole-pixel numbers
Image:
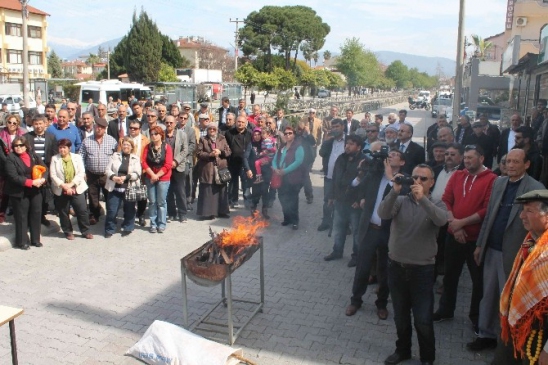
[
  {"x": 374, "y": 182},
  {"x": 416, "y": 219}
]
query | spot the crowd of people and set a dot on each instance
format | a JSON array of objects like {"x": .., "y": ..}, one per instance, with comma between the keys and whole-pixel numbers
[{"x": 412, "y": 213}]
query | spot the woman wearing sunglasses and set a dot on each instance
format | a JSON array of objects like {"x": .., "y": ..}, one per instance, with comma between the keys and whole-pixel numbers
[
  {"x": 157, "y": 160},
  {"x": 24, "y": 191},
  {"x": 13, "y": 129}
]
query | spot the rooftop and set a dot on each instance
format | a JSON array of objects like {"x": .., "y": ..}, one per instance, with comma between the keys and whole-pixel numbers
[{"x": 16, "y": 5}]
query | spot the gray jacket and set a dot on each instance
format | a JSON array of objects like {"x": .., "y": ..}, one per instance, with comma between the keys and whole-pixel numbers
[
  {"x": 181, "y": 150},
  {"x": 191, "y": 139},
  {"x": 515, "y": 232}
]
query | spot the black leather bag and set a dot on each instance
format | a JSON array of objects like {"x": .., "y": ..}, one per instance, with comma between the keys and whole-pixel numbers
[{"x": 222, "y": 176}]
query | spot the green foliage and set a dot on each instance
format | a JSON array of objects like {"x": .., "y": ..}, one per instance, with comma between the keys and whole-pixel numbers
[
  {"x": 283, "y": 28},
  {"x": 247, "y": 75},
  {"x": 326, "y": 56},
  {"x": 482, "y": 46},
  {"x": 264, "y": 63},
  {"x": 268, "y": 81},
  {"x": 93, "y": 59},
  {"x": 54, "y": 66},
  {"x": 358, "y": 65},
  {"x": 286, "y": 79},
  {"x": 398, "y": 72},
  {"x": 142, "y": 51},
  {"x": 167, "y": 73},
  {"x": 335, "y": 81}
]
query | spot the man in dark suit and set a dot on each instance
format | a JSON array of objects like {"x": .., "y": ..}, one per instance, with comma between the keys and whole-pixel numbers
[
  {"x": 86, "y": 129},
  {"x": 508, "y": 136},
  {"x": 374, "y": 232},
  {"x": 464, "y": 131},
  {"x": 44, "y": 145},
  {"x": 119, "y": 127},
  {"x": 499, "y": 241},
  {"x": 91, "y": 108},
  {"x": 138, "y": 114},
  {"x": 350, "y": 124},
  {"x": 281, "y": 121},
  {"x": 414, "y": 153},
  {"x": 492, "y": 131},
  {"x": 224, "y": 110}
]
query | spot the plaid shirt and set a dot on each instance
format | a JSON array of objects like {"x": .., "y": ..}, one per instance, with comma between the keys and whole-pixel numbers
[{"x": 96, "y": 156}]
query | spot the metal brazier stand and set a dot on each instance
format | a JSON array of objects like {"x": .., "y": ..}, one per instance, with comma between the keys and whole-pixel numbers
[{"x": 211, "y": 274}]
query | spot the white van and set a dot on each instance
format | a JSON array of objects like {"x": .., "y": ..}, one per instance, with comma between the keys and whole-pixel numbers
[
  {"x": 101, "y": 90},
  {"x": 424, "y": 95}
]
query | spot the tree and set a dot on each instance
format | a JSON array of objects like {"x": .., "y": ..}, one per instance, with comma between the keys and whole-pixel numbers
[
  {"x": 286, "y": 79},
  {"x": 326, "y": 56},
  {"x": 398, "y": 72},
  {"x": 167, "y": 73},
  {"x": 247, "y": 75},
  {"x": 284, "y": 29},
  {"x": 171, "y": 55},
  {"x": 358, "y": 65},
  {"x": 93, "y": 59},
  {"x": 482, "y": 46},
  {"x": 54, "y": 66},
  {"x": 268, "y": 81},
  {"x": 335, "y": 81}
]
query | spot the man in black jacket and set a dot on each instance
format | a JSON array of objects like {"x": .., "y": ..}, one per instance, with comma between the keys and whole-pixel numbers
[
  {"x": 374, "y": 232},
  {"x": 332, "y": 147},
  {"x": 524, "y": 141},
  {"x": 224, "y": 110},
  {"x": 44, "y": 145},
  {"x": 237, "y": 139},
  {"x": 464, "y": 131},
  {"x": 508, "y": 136},
  {"x": 414, "y": 153},
  {"x": 345, "y": 197}
]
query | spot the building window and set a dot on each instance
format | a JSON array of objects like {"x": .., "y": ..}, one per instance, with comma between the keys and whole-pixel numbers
[
  {"x": 35, "y": 32},
  {"x": 13, "y": 29},
  {"x": 35, "y": 58},
  {"x": 15, "y": 56}
]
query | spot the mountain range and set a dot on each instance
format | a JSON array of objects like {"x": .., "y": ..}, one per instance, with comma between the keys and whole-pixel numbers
[{"x": 430, "y": 65}]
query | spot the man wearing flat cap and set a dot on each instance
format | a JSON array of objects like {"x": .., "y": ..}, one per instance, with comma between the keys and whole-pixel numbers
[
  {"x": 524, "y": 299},
  {"x": 204, "y": 109}
]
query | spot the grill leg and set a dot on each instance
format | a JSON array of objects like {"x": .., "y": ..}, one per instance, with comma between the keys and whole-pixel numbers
[
  {"x": 229, "y": 309},
  {"x": 185, "y": 304},
  {"x": 13, "y": 343},
  {"x": 223, "y": 292},
  {"x": 261, "y": 273}
]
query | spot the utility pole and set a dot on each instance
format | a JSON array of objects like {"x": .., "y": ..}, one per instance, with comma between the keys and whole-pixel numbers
[
  {"x": 236, "y": 33},
  {"x": 25, "y": 14},
  {"x": 460, "y": 61}
]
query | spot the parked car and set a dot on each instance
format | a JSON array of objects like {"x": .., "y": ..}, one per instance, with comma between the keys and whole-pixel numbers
[
  {"x": 14, "y": 102},
  {"x": 324, "y": 94},
  {"x": 440, "y": 106}
]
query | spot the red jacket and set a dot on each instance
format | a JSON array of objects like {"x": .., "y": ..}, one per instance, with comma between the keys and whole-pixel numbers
[
  {"x": 466, "y": 194},
  {"x": 167, "y": 166}
]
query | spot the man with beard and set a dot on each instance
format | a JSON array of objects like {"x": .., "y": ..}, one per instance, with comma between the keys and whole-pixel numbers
[
  {"x": 238, "y": 139},
  {"x": 326, "y": 123},
  {"x": 391, "y": 137}
]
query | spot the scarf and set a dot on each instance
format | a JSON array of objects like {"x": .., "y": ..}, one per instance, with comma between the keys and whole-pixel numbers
[
  {"x": 524, "y": 299},
  {"x": 68, "y": 167}
]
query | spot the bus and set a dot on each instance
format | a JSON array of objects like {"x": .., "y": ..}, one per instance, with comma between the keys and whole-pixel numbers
[{"x": 100, "y": 91}]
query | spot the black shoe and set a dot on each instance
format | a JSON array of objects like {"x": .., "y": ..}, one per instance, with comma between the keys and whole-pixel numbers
[
  {"x": 224, "y": 215},
  {"x": 108, "y": 235},
  {"x": 265, "y": 213},
  {"x": 206, "y": 217},
  {"x": 323, "y": 227},
  {"x": 332, "y": 256},
  {"x": 481, "y": 343},
  {"x": 37, "y": 244},
  {"x": 353, "y": 262},
  {"x": 284, "y": 223},
  {"x": 396, "y": 358},
  {"x": 437, "y": 317},
  {"x": 142, "y": 221},
  {"x": 25, "y": 247},
  {"x": 182, "y": 218},
  {"x": 310, "y": 200},
  {"x": 45, "y": 222},
  {"x": 168, "y": 219}
]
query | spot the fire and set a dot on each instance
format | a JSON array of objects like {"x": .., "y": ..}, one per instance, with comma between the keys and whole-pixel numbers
[{"x": 243, "y": 233}]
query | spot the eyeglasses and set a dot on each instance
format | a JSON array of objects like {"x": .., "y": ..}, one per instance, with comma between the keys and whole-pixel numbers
[
  {"x": 71, "y": 108},
  {"x": 153, "y": 134},
  {"x": 288, "y": 133},
  {"x": 12, "y": 123},
  {"x": 422, "y": 178},
  {"x": 18, "y": 145},
  {"x": 183, "y": 118},
  {"x": 167, "y": 123},
  {"x": 134, "y": 128}
]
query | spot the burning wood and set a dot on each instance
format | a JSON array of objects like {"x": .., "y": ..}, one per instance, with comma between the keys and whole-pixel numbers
[{"x": 229, "y": 245}]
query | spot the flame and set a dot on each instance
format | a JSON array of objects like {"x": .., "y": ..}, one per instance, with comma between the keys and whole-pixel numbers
[{"x": 243, "y": 233}]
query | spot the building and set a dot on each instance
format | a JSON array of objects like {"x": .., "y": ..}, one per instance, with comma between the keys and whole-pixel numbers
[
  {"x": 498, "y": 41},
  {"x": 200, "y": 52},
  {"x": 11, "y": 54},
  {"x": 524, "y": 56}
]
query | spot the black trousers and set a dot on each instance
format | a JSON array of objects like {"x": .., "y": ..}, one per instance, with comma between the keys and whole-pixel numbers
[
  {"x": 96, "y": 183},
  {"x": 27, "y": 212},
  {"x": 176, "y": 196},
  {"x": 456, "y": 254},
  {"x": 78, "y": 202},
  {"x": 236, "y": 171}
]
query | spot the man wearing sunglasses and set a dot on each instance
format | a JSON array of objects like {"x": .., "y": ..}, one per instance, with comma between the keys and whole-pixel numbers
[
  {"x": 466, "y": 197},
  {"x": 152, "y": 121},
  {"x": 416, "y": 219},
  {"x": 71, "y": 107}
]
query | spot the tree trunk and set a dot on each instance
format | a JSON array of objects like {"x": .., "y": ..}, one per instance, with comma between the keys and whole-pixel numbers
[
  {"x": 295, "y": 59},
  {"x": 349, "y": 90}
]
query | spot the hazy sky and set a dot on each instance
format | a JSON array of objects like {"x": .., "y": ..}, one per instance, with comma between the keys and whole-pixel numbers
[{"x": 422, "y": 27}]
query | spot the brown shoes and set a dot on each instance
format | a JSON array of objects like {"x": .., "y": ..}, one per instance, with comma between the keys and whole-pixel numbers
[
  {"x": 69, "y": 236},
  {"x": 351, "y": 310},
  {"x": 88, "y": 236},
  {"x": 382, "y": 313}
]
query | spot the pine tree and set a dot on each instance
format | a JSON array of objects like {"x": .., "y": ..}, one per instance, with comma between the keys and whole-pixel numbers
[{"x": 54, "y": 65}]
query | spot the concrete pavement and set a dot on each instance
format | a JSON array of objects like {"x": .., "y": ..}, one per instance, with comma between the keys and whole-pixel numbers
[{"x": 87, "y": 302}]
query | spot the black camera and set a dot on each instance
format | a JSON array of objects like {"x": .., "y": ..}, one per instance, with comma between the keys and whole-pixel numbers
[
  {"x": 404, "y": 180},
  {"x": 380, "y": 155}
]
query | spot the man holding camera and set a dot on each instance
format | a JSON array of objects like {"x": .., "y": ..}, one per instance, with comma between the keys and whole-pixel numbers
[
  {"x": 416, "y": 219},
  {"x": 374, "y": 183}
]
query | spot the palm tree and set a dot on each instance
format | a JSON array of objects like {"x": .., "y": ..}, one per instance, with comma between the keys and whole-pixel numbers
[
  {"x": 482, "y": 46},
  {"x": 326, "y": 56}
]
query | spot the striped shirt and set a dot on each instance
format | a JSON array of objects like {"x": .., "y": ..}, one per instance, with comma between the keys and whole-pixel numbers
[
  {"x": 40, "y": 146},
  {"x": 97, "y": 155}
]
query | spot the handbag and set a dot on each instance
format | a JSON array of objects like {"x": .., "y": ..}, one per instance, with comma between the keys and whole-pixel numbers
[
  {"x": 136, "y": 192},
  {"x": 222, "y": 176},
  {"x": 275, "y": 181}
]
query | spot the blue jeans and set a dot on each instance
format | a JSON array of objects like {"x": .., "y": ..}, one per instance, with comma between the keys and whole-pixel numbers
[
  {"x": 345, "y": 215},
  {"x": 157, "y": 206},
  {"x": 411, "y": 288},
  {"x": 114, "y": 200}
]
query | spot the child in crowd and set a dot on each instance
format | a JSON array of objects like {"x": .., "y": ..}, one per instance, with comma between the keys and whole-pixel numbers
[{"x": 268, "y": 150}]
